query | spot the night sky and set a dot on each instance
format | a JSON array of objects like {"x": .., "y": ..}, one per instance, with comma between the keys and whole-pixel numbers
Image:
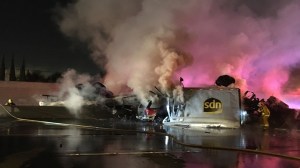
[
  {"x": 146, "y": 43},
  {"x": 28, "y": 30}
]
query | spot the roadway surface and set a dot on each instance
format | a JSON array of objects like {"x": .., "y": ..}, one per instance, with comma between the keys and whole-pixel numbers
[{"x": 91, "y": 142}]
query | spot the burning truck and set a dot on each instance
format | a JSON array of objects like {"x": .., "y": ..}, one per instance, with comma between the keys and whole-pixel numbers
[
  {"x": 215, "y": 106},
  {"x": 219, "y": 106}
]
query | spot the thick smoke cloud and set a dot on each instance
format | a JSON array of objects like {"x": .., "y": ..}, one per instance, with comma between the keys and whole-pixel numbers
[{"x": 146, "y": 43}]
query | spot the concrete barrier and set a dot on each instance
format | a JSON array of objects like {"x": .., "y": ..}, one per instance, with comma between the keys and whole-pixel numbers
[{"x": 25, "y": 93}]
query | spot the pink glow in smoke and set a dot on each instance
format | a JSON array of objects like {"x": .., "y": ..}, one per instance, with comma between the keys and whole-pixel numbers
[
  {"x": 258, "y": 52},
  {"x": 259, "y": 47}
]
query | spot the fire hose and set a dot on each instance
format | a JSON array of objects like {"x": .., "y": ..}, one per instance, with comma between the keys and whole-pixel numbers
[{"x": 148, "y": 132}]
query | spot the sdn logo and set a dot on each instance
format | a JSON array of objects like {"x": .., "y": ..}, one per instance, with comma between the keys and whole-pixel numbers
[{"x": 213, "y": 105}]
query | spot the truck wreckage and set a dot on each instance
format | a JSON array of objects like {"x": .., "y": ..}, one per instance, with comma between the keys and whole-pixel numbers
[
  {"x": 220, "y": 106},
  {"x": 209, "y": 107},
  {"x": 206, "y": 107},
  {"x": 281, "y": 116}
]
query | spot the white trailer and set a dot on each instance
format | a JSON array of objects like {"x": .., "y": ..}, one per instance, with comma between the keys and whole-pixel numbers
[{"x": 206, "y": 107}]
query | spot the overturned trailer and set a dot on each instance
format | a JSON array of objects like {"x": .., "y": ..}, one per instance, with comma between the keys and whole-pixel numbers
[{"x": 206, "y": 107}]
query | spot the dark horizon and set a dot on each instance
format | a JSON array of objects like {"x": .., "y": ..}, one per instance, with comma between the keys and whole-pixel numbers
[{"x": 29, "y": 32}]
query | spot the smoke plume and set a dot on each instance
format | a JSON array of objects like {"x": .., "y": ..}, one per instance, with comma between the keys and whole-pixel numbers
[
  {"x": 146, "y": 43},
  {"x": 76, "y": 90}
]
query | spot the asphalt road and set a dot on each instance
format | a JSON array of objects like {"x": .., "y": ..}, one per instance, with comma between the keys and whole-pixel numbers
[{"x": 72, "y": 143}]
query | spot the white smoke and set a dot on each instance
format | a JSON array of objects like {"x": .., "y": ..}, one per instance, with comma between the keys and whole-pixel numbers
[
  {"x": 75, "y": 90},
  {"x": 139, "y": 50},
  {"x": 171, "y": 61},
  {"x": 244, "y": 39},
  {"x": 74, "y": 101}
]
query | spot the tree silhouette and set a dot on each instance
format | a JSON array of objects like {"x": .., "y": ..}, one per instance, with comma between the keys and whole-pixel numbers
[
  {"x": 12, "y": 73},
  {"x": 22, "y": 71},
  {"x": 28, "y": 75},
  {"x": 2, "y": 69},
  {"x": 35, "y": 76},
  {"x": 54, "y": 77}
]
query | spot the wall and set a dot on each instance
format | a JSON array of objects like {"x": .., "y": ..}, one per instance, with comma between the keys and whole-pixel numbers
[{"x": 25, "y": 93}]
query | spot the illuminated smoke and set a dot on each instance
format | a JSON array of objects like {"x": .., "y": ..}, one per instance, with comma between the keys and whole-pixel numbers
[
  {"x": 258, "y": 45},
  {"x": 171, "y": 61},
  {"x": 72, "y": 97}
]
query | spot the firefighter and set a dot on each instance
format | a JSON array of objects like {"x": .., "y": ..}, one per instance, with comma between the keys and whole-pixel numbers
[
  {"x": 265, "y": 113},
  {"x": 10, "y": 103}
]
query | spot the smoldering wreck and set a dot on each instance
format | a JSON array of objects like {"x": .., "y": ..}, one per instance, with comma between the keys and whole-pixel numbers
[{"x": 218, "y": 106}]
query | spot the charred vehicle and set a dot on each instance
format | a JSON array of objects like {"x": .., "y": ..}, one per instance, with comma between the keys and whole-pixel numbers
[
  {"x": 155, "y": 110},
  {"x": 281, "y": 116},
  {"x": 250, "y": 105}
]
